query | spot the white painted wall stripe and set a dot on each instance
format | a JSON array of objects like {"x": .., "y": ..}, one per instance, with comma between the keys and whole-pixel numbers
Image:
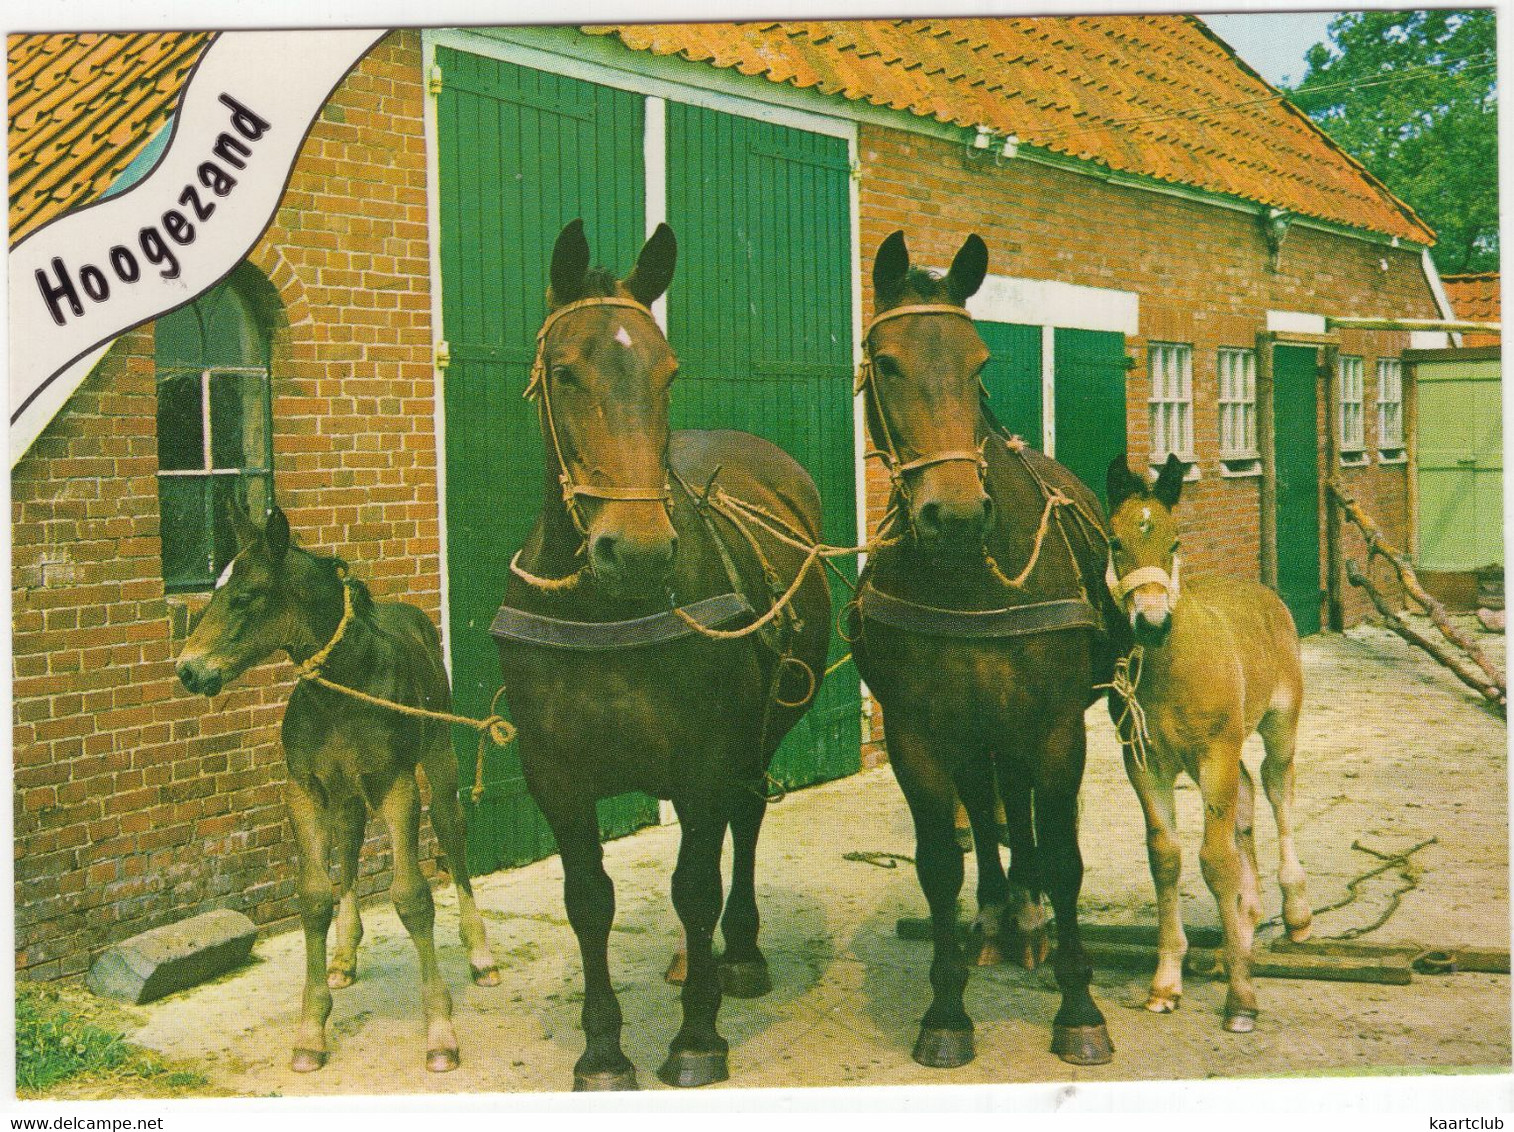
[
  {"x": 1295, "y": 322},
  {"x": 1050, "y": 302}
]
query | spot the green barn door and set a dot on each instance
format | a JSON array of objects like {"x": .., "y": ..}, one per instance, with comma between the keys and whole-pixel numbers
[
  {"x": 522, "y": 152},
  {"x": 1460, "y": 464},
  {"x": 1295, "y": 399},
  {"x": 760, "y": 315},
  {"x": 1090, "y": 403},
  {"x": 1013, "y": 377}
]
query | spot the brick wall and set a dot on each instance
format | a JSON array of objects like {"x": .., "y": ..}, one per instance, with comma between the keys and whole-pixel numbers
[
  {"x": 136, "y": 803},
  {"x": 1203, "y": 277}
]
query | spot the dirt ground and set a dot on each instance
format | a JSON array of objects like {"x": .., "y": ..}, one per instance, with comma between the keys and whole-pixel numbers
[{"x": 1393, "y": 751}]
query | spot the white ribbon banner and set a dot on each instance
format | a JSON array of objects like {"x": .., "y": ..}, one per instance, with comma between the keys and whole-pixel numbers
[{"x": 81, "y": 281}]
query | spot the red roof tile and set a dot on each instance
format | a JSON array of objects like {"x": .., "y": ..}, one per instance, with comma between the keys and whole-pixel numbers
[
  {"x": 1159, "y": 96},
  {"x": 1474, "y": 297},
  {"x": 1477, "y": 299},
  {"x": 81, "y": 108}
]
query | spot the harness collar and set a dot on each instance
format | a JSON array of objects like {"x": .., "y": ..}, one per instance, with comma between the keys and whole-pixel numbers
[{"x": 537, "y": 388}]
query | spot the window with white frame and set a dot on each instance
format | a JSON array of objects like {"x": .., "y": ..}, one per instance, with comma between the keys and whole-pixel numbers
[
  {"x": 1390, "y": 408},
  {"x": 1238, "y": 406},
  {"x": 1353, "y": 429},
  {"x": 215, "y": 428},
  {"x": 1171, "y": 400}
]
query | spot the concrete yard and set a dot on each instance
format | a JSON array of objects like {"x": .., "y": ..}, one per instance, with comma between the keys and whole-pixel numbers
[{"x": 1392, "y": 752}]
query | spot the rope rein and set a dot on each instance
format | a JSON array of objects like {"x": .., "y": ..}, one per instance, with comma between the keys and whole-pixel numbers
[{"x": 494, "y": 727}]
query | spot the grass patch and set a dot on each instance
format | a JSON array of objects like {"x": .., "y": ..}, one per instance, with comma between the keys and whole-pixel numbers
[{"x": 70, "y": 1044}]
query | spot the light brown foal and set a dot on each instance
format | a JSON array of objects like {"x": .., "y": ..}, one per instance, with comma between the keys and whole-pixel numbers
[{"x": 1213, "y": 661}]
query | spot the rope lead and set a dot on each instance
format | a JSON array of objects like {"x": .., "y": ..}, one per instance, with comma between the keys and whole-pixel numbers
[{"x": 1127, "y": 677}]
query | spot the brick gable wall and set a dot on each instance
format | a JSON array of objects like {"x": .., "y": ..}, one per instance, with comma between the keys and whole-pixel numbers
[{"x": 136, "y": 803}]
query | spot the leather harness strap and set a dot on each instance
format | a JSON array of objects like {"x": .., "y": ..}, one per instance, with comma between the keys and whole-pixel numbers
[
  {"x": 1013, "y": 621},
  {"x": 597, "y": 636}
]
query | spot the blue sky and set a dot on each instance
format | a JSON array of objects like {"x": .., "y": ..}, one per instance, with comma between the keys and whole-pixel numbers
[{"x": 1273, "y": 43}]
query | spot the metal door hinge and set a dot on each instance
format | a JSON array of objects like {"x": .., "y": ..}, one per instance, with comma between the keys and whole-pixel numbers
[
  {"x": 434, "y": 81},
  {"x": 443, "y": 355}
]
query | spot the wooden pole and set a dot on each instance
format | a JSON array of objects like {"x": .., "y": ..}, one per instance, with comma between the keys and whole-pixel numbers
[
  {"x": 1411, "y": 455},
  {"x": 1266, "y": 440},
  {"x": 1334, "y": 568},
  {"x": 1377, "y": 544},
  {"x": 1452, "y": 325},
  {"x": 1493, "y": 692}
]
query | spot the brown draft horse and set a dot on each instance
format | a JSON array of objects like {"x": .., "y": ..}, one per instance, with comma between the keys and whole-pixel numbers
[
  {"x": 616, "y": 670},
  {"x": 1217, "y": 659},
  {"x": 982, "y": 677},
  {"x": 347, "y": 758}
]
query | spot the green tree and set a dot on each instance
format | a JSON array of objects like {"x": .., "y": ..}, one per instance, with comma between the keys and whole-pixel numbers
[{"x": 1413, "y": 96}]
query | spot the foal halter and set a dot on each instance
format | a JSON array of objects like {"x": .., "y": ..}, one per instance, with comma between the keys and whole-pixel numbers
[
  {"x": 898, "y": 468},
  {"x": 1120, "y": 588},
  {"x": 538, "y": 388}
]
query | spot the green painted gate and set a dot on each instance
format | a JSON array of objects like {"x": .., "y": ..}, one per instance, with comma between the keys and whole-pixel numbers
[
  {"x": 1013, "y": 377},
  {"x": 760, "y": 313},
  {"x": 1090, "y": 403},
  {"x": 1295, "y": 399},
  {"x": 522, "y": 152},
  {"x": 1460, "y": 463}
]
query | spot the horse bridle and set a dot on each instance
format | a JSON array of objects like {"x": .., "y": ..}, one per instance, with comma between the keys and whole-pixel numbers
[
  {"x": 538, "y": 388},
  {"x": 889, "y": 454}
]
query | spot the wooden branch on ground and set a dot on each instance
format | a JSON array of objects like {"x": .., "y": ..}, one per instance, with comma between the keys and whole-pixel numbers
[
  {"x": 1451, "y": 660},
  {"x": 1377, "y": 544}
]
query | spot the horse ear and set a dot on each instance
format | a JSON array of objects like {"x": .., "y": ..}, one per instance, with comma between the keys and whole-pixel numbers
[
  {"x": 570, "y": 261},
  {"x": 890, "y": 267},
  {"x": 654, "y": 267},
  {"x": 1169, "y": 483},
  {"x": 968, "y": 269},
  {"x": 1120, "y": 483},
  {"x": 276, "y": 534}
]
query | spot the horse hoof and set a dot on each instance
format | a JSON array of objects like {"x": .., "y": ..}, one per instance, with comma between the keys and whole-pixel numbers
[
  {"x": 1163, "y": 1003},
  {"x": 944, "y": 1049},
  {"x": 1302, "y": 932},
  {"x": 441, "y": 1060},
  {"x": 307, "y": 1060},
  {"x": 990, "y": 954},
  {"x": 484, "y": 976},
  {"x": 606, "y": 1081},
  {"x": 678, "y": 970},
  {"x": 690, "y": 1068},
  {"x": 1082, "y": 1045},
  {"x": 339, "y": 977},
  {"x": 748, "y": 979},
  {"x": 1240, "y": 1020}
]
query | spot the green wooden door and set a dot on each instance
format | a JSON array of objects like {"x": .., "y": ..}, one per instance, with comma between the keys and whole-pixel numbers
[
  {"x": 1460, "y": 464},
  {"x": 522, "y": 152},
  {"x": 760, "y": 315},
  {"x": 1295, "y": 399},
  {"x": 1090, "y": 403},
  {"x": 1013, "y": 377}
]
